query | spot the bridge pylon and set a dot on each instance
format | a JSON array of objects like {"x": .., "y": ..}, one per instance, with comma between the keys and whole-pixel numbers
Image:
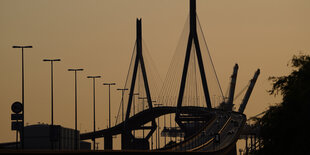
[
  {"x": 129, "y": 141},
  {"x": 193, "y": 42}
]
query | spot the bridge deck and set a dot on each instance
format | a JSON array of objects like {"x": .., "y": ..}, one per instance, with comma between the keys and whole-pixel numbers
[
  {"x": 141, "y": 118},
  {"x": 219, "y": 133}
]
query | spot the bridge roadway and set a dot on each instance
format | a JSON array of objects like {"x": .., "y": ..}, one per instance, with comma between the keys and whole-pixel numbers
[
  {"x": 228, "y": 134},
  {"x": 220, "y": 133},
  {"x": 141, "y": 118},
  {"x": 218, "y": 136}
]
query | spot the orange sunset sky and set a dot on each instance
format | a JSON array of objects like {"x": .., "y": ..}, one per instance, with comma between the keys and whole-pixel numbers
[{"x": 99, "y": 35}]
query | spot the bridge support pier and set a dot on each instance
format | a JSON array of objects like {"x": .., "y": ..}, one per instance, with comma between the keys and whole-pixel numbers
[
  {"x": 108, "y": 142},
  {"x": 131, "y": 143}
]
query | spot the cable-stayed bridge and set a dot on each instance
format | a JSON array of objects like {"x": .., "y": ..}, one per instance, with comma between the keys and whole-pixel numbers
[{"x": 194, "y": 114}]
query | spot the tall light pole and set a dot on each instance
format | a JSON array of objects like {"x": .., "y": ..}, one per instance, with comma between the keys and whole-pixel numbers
[
  {"x": 123, "y": 91},
  {"x": 23, "y": 94},
  {"x": 133, "y": 100},
  {"x": 142, "y": 98},
  {"x": 52, "y": 87},
  {"x": 75, "y": 84},
  {"x": 94, "y": 77},
  {"x": 158, "y": 126},
  {"x": 52, "y": 100},
  {"x": 109, "y": 84}
]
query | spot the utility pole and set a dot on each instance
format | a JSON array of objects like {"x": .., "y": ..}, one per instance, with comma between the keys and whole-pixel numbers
[
  {"x": 75, "y": 83},
  {"x": 23, "y": 95},
  {"x": 94, "y": 98}
]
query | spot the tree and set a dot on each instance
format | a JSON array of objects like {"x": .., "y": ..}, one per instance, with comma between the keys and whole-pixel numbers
[{"x": 285, "y": 128}]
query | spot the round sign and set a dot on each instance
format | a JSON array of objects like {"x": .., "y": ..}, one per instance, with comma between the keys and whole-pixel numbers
[{"x": 17, "y": 107}]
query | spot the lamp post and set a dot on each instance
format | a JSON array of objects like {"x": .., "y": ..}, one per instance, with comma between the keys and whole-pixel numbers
[
  {"x": 109, "y": 84},
  {"x": 94, "y": 77},
  {"x": 157, "y": 135},
  {"x": 142, "y": 98},
  {"x": 134, "y": 94},
  {"x": 52, "y": 87},
  {"x": 75, "y": 84},
  {"x": 52, "y": 101},
  {"x": 123, "y": 90},
  {"x": 23, "y": 94}
]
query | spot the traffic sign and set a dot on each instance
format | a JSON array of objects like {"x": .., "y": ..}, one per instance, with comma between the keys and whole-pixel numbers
[
  {"x": 16, "y": 117},
  {"x": 17, "y": 125},
  {"x": 17, "y": 107}
]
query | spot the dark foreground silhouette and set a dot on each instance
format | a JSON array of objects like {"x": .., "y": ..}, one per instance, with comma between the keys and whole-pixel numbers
[{"x": 285, "y": 127}]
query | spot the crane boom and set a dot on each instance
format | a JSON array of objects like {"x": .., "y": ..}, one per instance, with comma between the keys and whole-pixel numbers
[
  {"x": 248, "y": 92},
  {"x": 227, "y": 106},
  {"x": 233, "y": 85}
]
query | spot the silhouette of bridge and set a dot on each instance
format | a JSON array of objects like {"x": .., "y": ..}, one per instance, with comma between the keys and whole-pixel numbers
[{"x": 202, "y": 125}]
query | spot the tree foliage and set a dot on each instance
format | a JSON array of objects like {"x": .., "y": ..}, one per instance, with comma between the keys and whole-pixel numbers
[{"x": 285, "y": 128}]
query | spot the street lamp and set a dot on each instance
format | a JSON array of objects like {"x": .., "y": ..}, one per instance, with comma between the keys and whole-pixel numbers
[
  {"x": 142, "y": 98},
  {"x": 52, "y": 100},
  {"x": 52, "y": 89},
  {"x": 134, "y": 94},
  {"x": 157, "y": 133},
  {"x": 75, "y": 83},
  {"x": 23, "y": 94},
  {"x": 94, "y": 77},
  {"x": 109, "y": 84},
  {"x": 123, "y": 90}
]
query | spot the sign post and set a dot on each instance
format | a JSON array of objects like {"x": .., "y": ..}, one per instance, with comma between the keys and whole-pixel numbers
[{"x": 17, "y": 125}]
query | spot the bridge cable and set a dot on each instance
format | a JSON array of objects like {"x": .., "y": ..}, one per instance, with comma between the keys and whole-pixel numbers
[{"x": 210, "y": 58}]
